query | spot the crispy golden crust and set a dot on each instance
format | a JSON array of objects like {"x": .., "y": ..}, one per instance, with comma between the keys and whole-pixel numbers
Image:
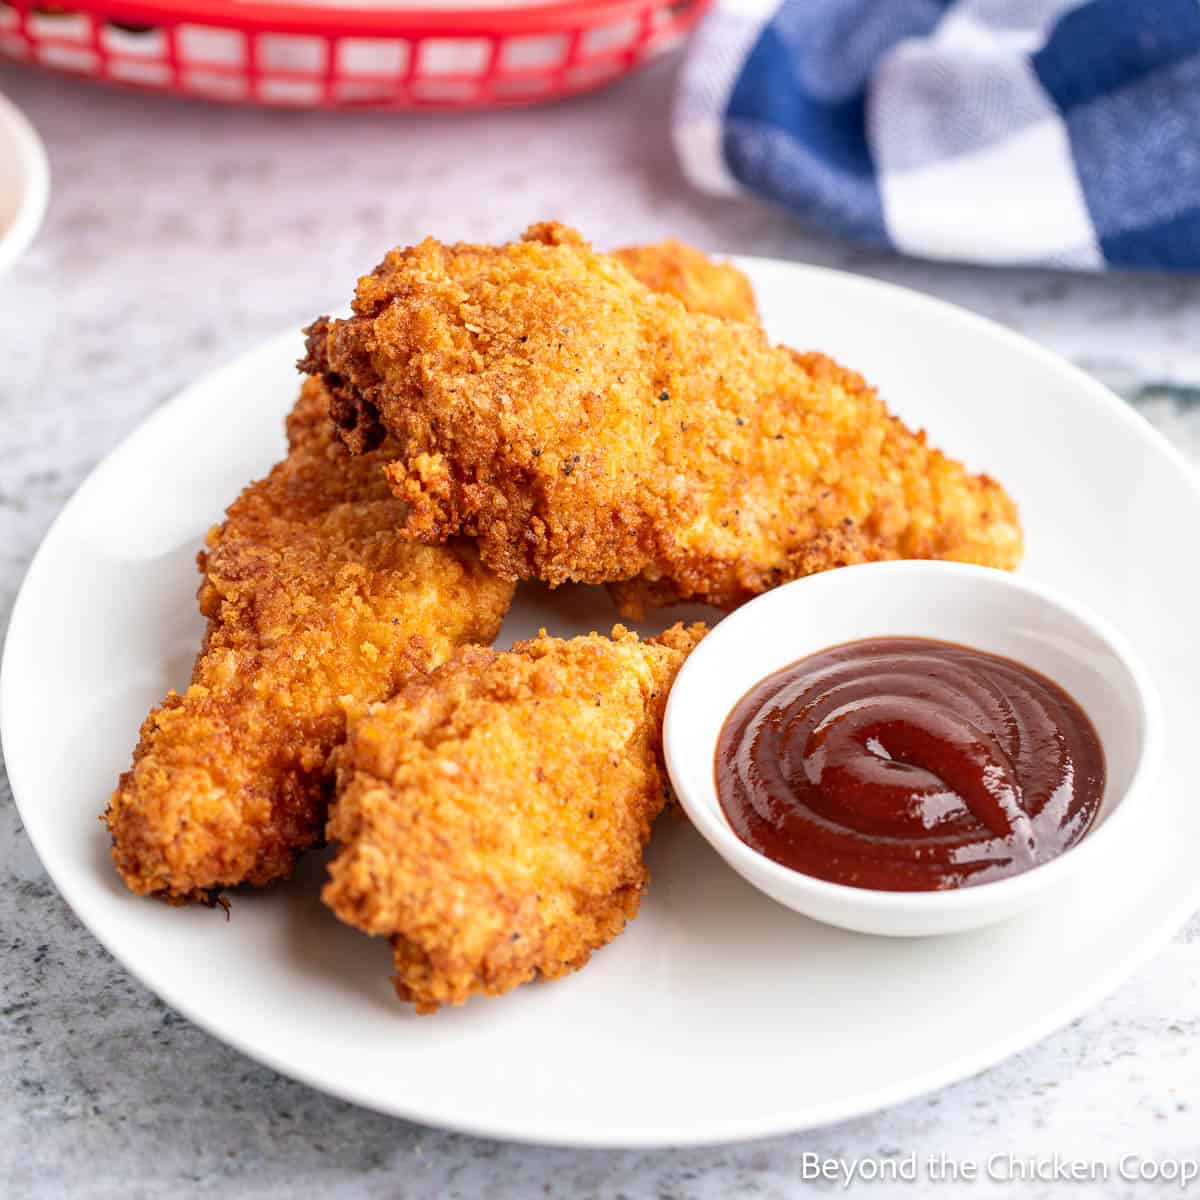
[
  {"x": 492, "y": 816},
  {"x": 582, "y": 427},
  {"x": 315, "y": 609},
  {"x": 697, "y": 281}
]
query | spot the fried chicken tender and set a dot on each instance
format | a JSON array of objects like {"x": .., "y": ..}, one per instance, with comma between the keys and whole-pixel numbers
[
  {"x": 697, "y": 281},
  {"x": 492, "y": 816},
  {"x": 315, "y": 609},
  {"x": 582, "y": 427}
]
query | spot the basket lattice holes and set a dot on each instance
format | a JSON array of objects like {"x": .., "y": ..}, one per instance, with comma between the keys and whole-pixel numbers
[{"x": 337, "y": 58}]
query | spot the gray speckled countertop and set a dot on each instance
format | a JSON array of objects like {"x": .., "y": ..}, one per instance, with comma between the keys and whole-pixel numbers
[{"x": 179, "y": 234}]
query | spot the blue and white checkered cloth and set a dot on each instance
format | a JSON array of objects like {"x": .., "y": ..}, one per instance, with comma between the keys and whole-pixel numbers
[{"x": 1060, "y": 132}]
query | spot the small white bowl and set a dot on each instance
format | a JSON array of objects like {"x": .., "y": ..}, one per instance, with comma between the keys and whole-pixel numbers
[
  {"x": 974, "y": 606},
  {"x": 24, "y": 183}
]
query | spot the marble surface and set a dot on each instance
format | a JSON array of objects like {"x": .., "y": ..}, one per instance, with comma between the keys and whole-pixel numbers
[{"x": 179, "y": 234}]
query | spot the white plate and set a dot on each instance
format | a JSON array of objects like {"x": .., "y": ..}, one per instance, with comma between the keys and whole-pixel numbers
[
  {"x": 24, "y": 183},
  {"x": 720, "y": 1014}
]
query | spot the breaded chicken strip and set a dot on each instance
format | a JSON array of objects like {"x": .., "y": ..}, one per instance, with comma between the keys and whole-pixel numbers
[
  {"x": 492, "y": 816},
  {"x": 315, "y": 609},
  {"x": 697, "y": 281},
  {"x": 582, "y": 427}
]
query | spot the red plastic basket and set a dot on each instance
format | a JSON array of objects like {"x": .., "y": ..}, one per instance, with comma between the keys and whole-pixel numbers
[{"x": 315, "y": 55}]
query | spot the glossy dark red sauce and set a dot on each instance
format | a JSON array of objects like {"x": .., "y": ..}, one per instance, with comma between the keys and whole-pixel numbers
[{"x": 906, "y": 764}]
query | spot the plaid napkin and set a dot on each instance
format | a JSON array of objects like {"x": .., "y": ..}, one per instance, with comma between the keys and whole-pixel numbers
[{"x": 1057, "y": 132}]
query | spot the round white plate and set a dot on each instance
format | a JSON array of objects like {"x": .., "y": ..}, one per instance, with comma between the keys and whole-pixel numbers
[
  {"x": 719, "y": 1014},
  {"x": 24, "y": 183}
]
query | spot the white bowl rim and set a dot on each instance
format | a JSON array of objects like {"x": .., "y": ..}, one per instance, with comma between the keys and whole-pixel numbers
[
  {"x": 981, "y": 898},
  {"x": 33, "y": 173}
]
